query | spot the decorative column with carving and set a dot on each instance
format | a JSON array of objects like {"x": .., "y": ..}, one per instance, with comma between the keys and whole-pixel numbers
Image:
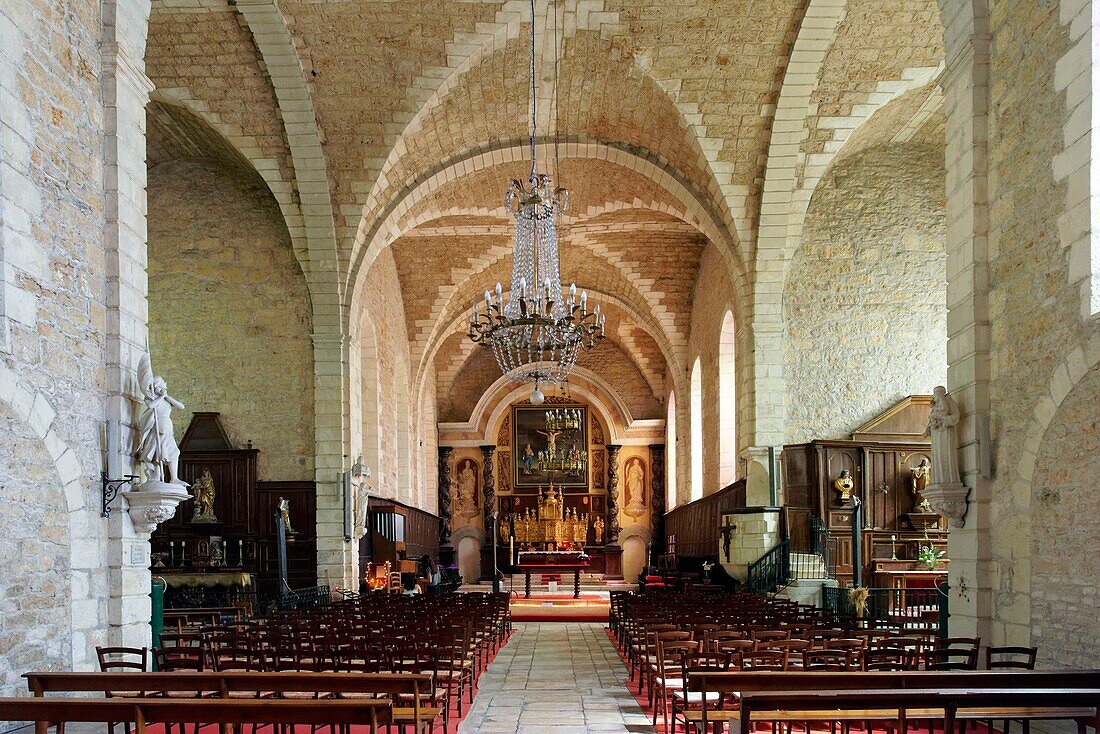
[
  {"x": 445, "y": 453},
  {"x": 489, "y": 490},
  {"x": 613, "y": 493},
  {"x": 657, "y": 505}
]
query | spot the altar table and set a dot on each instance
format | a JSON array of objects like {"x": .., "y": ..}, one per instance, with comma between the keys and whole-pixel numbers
[{"x": 555, "y": 568}]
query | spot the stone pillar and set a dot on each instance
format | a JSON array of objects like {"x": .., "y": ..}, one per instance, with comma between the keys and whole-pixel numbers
[
  {"x": 657, "y": 503},
  {"x": 965, "y": 82},
  {"x": 445, "y": 453},
  {"x": 613, "y": 494},
  {"x": 337, "y": 559},
  {"x": 489, "y": 490},
  {"x": 125, "y": 92}
]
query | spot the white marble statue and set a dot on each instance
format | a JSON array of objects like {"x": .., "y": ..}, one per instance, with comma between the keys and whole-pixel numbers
[
  {"x": 941, "y": 427},
  {"x": 157, "y": 449}
]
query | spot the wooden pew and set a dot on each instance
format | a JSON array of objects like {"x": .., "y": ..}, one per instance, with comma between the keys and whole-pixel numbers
[
  {"x": 142, "y": 712},
  {"x": 225, "y": 684},
  {"x": 805, "y": 692}
]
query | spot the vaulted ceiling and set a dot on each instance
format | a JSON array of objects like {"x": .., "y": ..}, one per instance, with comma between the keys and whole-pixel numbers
[{"x": 658, "y": 116}]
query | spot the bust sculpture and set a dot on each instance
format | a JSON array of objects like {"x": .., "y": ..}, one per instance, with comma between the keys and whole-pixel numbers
[{"x": 844, "y": 484}]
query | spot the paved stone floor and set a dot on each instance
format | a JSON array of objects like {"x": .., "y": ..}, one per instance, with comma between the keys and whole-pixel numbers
[{"x": 556, "y": 678}]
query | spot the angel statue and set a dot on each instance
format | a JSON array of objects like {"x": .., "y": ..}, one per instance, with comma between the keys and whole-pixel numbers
[{"x": 158, "y": 449}]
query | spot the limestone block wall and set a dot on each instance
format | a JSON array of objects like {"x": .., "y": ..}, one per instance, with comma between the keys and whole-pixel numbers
[
  {"x": 35, "y": 616},
  {"x": 229, "y": 311},
  {"x": 864, "y": 300},
  {"x": 1066, "y": 515},
  {"x": 1041, "y": 351},
  {"x": 53, "y": 321},
  {"x": 756, "y": 534},
  {"x": 386, "y": 310},
  {"x": 713, "y": 299}
]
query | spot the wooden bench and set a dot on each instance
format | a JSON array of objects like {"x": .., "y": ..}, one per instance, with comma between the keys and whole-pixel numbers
[
  {"x": 142, "y": 712},
  {"x": 719, "y": 686},
  {"x": 225, "y": 685}
]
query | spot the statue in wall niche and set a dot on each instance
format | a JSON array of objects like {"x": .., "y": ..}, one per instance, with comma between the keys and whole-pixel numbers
[
  {"x": 919, "y": 477},
  {"x": 635, "y": 487},
  {"x": 941, "y": 427},
  {"x": 597, "y": 529},
  {"x": 204, "y": 499},
  {"x": 844, "y": 484},
  {"x": 466, "y": 489},
  {"x": 157, "y": 450}
]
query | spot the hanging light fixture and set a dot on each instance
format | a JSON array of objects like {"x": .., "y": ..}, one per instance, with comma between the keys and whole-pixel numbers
[{"x": 537, "y": 334}]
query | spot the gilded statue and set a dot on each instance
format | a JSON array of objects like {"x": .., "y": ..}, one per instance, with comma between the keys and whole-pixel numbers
[
  {"x": 597, "y": 528},
  {"x": 204, "y": 499},
  {"x": 158, "y": 450},
  {"x": 919, "y": 478},
  {"x": 284, "y": 513},
  {"x": 844, "y": 484},
  {"x": 505, "y": 530}
]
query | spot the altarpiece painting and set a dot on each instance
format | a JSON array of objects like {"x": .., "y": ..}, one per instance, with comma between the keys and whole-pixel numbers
[{"x": 543, "y": 457}]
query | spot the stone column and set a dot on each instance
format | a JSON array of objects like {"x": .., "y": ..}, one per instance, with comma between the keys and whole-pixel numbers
[
  {"x": 337, "y": 560},
  {"x": 613, "y": 494},
  {"x": 657, "y": 503},
  {"x": 965, "y": 82},
  {"x": 125, "y": 89},
  {"x": 489, "y": 490},
  {"x": 445, "y": 453}
]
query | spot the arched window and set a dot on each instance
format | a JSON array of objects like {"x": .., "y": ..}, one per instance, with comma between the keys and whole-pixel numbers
[
  {"x": 670, "y": 453},
  {"x": 696, "y": 418},
  {"x": 727, "y": 402}
]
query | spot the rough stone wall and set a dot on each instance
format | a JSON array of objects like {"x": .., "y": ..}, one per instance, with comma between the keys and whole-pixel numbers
[
  {"x": 864, "y": 300},
  {"x": 229, "y": 311},
  {"x": 1066, "y": 515},
  {"x": 53, "y": 309},
  {"x": 713, "y": 299},
  {"x": 1036, "y": 329},
  {"x": 35, "y": 619},
  {"x": 385, "y": 306}
]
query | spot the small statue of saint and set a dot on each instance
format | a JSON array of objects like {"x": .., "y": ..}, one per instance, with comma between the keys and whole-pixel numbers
[
  {"x": 504, "y": 529},
  {"x": 204, "y": 499},
  {"x": 941, "y": 427},
  {"x": 284, "y": 514},
  {"x": 597, "y": 528},
  {"x": 635, "y": 488},
  {"x": 844, "y": 484},
  {"x": 527, "y": 462},
  {"x": 919, "y": 477}
]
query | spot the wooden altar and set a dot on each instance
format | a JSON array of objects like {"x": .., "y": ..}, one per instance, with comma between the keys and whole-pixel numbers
[
  {"x": 882, "y": 460},
  {"x": 554, "y": 562}
]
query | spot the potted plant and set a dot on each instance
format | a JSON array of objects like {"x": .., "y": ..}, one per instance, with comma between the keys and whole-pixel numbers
[{"x": 929, "y": 556}]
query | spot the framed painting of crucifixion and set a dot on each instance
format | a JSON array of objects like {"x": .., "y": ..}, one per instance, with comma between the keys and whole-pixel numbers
[{"x": 550, "y": 446}]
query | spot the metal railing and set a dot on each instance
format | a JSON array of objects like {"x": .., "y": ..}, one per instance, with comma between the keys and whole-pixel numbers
[
  {"x": 314, "y": 596},
  {"x": 818, "y": 562},
  {"x": 913, "y": 610},
  {"x": 772, "y": 571}
]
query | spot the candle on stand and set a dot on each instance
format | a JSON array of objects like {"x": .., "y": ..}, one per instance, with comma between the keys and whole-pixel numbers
[
  {"x": 171, "y": 553},
  {"x": 183, "y": 553},
  {"x": 511, "y": 550},
  {"x": 240, "y": 553}
]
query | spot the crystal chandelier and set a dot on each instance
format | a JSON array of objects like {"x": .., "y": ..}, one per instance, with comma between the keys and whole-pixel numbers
[{"x": 537, "y": 335}]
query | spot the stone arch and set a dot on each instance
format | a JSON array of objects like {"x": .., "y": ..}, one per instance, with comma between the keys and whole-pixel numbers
[
  {"x": 1055, "y": 506},
  {"x": 389, "y": 225},
  {"x": 31, "y": 410}
]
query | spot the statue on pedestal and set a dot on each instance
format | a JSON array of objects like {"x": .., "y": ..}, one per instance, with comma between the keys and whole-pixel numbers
[
  {"x": 945, "y": 493},
  {"x": 919, "y": 476},
  {"x": 158, "y": 450}
]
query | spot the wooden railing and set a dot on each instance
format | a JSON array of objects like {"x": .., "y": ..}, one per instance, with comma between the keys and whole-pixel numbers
[{"x": 695, "y": 526}]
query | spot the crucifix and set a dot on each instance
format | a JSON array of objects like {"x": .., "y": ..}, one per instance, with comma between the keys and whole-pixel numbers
[{"x": 727, "y": 537}]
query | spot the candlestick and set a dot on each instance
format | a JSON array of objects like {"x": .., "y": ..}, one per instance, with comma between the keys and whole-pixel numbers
[
  {"x": 171, "y": 553},
  {"x": 893, "y": 552},
  {"x": 240, "y": 553},
  {"x": 183, "y": 553}
]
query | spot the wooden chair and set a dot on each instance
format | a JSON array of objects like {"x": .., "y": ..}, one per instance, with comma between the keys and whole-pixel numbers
[
  {"x": 954, "y": 653},
  {"x": 670, "y": 673},
  {"x": 122, "y": 659},
  {"x": 1011, "y": 658}
]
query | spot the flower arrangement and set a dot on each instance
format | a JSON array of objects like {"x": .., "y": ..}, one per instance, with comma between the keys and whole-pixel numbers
[{"x": 929, "y": 556}]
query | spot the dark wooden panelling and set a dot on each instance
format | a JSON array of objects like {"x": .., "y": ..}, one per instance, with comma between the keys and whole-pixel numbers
[
  {"x": 301, "y": 547},
  {"x": 695, "y": 525}
]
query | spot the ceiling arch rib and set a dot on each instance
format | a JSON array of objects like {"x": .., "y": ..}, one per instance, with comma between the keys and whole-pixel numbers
[{"x": 388, "y": 229}]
